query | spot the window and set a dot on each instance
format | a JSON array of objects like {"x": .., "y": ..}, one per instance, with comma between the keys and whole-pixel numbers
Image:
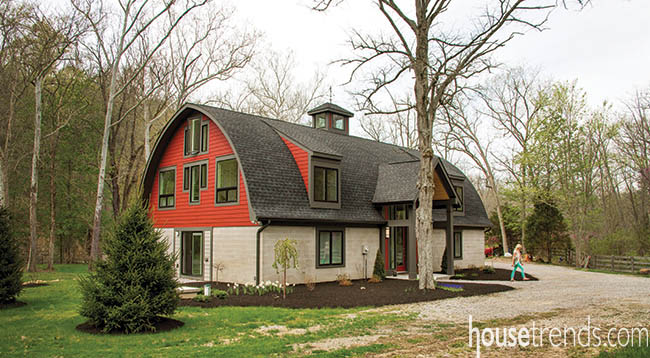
[
  {"x": 459, "y": 191},
  {"x": 330, "y": 248},
  {"x": 326, "y": 184},
  {"x": 458, "y": 245},
  {"x": 397, "y": 212},
  {"x": 166, "y": 188},
  {"x": 321, "y": 121},
  {"x": 196, "y": 137},
  {"x": 227, "y": 179},
  {"x": 195, "y": 179},
  {"x": 192, "y": 253},
  {"x": 338, "y": 122}
]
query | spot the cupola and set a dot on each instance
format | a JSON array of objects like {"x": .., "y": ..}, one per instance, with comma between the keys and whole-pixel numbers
[{"x": 331, "y": 117}]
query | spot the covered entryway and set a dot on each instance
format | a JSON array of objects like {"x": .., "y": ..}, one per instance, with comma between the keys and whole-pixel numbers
[{"x": 396, "y": 244}]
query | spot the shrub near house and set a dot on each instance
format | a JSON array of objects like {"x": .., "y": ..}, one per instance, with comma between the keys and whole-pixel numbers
[{"x": 135, "y": 285}]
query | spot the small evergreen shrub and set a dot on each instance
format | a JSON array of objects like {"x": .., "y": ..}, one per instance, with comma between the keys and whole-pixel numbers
[
  {"x": 379, "y": 270},
  {"x": 11, "y": 264},
  {"x": 220, "y": 294},
  {"x": 135, "y": 284}
]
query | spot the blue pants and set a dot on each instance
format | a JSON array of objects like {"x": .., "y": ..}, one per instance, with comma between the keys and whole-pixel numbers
[{"x": 514, "y": 269}]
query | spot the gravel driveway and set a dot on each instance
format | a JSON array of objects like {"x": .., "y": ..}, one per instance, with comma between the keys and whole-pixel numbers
[{"x": 558, "y": 288}]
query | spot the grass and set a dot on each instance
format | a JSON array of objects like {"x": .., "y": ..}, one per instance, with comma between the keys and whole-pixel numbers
[
  {"x": 628, "y": 352},
  {"x": 45, "y": 327}
]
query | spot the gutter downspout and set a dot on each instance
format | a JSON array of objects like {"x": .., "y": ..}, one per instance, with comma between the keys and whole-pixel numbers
[{"x": 257, "y": 251}]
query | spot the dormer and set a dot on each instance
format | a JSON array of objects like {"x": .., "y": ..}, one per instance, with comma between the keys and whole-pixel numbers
[{"x": 331, "y": 117}]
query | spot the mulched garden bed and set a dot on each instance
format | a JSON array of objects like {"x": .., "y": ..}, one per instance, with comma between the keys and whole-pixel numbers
[
  {"x": 330, "y": 294},
  {"x": 164, "y": 324},
  {"x": 477, "y": 274},
  {"x": 14, "y": 304}
]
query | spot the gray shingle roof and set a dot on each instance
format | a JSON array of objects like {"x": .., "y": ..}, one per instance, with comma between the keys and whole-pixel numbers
[
  {"x": 275, "y": 186},
  {"x": 331, "y": 107},
  {"x": 396, "y": 182}
]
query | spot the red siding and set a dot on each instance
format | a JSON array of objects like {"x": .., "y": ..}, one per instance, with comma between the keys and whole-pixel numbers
[
  {"x": 302, "y": 160},
  {"x": 205, "y": 213}
]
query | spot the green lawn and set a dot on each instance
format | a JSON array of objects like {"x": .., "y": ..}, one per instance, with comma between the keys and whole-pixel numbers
[
  {"x": 629, "y": 352},
  {"x": 45, "y": 327}
]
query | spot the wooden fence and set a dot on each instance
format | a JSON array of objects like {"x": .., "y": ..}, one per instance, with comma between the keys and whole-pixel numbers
[{"x": 605, "y": 262}]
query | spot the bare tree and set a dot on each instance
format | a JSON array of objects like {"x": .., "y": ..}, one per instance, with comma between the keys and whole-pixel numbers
[
  {"x": 135, "y": 19},
  {"x": 463, "y": 130},
  {"x": 213, "y": 49},
  {"x": 272, "y": 90},
  {"x": 423, "y": 41},
  {"x": 513, "y": 101},
  {"x": 398, "y": 128}
]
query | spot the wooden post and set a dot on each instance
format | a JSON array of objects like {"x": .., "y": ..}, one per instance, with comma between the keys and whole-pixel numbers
[
  {"x": 632, "y": 260},
  {"x": 612, "y": 259}
]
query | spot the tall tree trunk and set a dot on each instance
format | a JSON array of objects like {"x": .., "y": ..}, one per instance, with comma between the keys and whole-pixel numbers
[
  {"x": 425, "y": 183},
  {"x": 33, "y": 189},
  {"x": 147, "y": 132},
  {"x": 3, "y": 199},
  {"x": 502, "y": 224},
  {"x": 50, "y": 261},
  {"x": 4, "y": 155}
]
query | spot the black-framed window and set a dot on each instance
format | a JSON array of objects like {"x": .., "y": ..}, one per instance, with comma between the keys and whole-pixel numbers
[
  {"x": 461, "y": 198},
  {"x": 321, "y": 121},
  {"x": 227, "y": 179},
  {"x": 331, "y": 247},
  {"x": 196, "y": 137},
  {"x": 458, "y": 245},
  {"x": 192, "y": 253},
  {"x": 338, "y": 122},
  {"x": 195, "y": 179},
  {"x": 326, "y": 184},
  {"x": 166, "y": 188},
  {"x": 398, "y": 212}
]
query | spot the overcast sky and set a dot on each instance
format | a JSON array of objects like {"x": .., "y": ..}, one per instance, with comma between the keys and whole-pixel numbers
[{"x": 606, "y": 46}]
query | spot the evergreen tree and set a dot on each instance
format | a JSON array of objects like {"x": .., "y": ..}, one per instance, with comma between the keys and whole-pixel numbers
[
  {"x": 547, "y": 229},
  {"x": 135, "y": 284},
  {"x": 11, "y": 271},
  {"x": 379, "y": 270}
]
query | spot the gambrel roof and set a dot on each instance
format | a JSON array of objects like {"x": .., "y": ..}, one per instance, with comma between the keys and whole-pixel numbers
[{"x": 274, "y": 184}]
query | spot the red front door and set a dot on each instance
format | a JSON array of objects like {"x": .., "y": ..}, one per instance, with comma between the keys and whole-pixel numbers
[{"x": 396, "y": 248}]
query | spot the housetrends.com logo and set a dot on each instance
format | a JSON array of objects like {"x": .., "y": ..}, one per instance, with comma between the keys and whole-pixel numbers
[{"x": 585, "y": 336}]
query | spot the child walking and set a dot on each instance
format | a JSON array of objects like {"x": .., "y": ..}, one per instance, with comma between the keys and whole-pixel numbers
[{"x": 516, "y": 262}]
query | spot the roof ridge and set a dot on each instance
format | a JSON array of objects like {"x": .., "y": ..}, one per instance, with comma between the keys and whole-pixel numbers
[{"x": 405, "y": 149}]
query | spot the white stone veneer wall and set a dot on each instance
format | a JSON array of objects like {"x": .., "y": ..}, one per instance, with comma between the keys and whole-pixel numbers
[
  {"x": 234, "y": 247},
  {"x": 355, "y": 239},
  {"x": 473, "y": 249}
]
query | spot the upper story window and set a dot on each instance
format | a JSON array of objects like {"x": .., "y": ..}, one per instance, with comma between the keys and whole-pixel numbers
[
  {"x": 227, "y": 175},
  {"x": 195, "y": 179},
  {"x": 338, "y": 122},
  {"x": 326, "y": 184},
  {"x": 321, "y": 121},
  {"x": 166, "y": 188},
  {"x": 461, "y": 198},
  {"x": 196, "y": 137},
  {"x": 398, "y": 212}
]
